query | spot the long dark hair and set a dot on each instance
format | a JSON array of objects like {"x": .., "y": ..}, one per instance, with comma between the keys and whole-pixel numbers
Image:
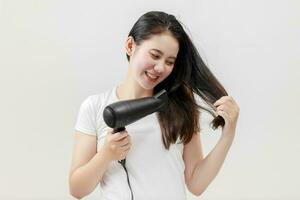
[{"x": 190, "y": 75}]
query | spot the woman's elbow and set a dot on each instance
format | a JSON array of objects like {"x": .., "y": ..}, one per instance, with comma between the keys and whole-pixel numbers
[
  {"x": 195, "y": 191},
  {"x": 74, "y": 193},
  {"x": 74, "y": 190}
]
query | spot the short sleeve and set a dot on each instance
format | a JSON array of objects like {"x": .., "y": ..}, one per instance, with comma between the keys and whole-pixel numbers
[{"x": 86, "y": 117}]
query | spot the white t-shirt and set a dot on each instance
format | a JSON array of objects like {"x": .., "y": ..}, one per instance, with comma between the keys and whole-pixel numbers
[{"x": 154, "y": 172}]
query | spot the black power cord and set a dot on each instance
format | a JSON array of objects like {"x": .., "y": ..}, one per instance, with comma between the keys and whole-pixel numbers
[{"x": 123, "y": 162}]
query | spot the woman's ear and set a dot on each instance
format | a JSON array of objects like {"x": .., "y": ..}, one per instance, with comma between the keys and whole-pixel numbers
[{"x": 130, "y": 46}]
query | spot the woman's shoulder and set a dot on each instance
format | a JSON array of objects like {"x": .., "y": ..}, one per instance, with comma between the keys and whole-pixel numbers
[{"x": 101, "y": 99}]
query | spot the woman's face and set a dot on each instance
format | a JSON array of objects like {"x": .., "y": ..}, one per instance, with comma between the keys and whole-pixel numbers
[{"x": 153, "y": 60}]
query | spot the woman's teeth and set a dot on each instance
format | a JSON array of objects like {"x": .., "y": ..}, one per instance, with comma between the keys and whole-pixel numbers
[{"x": 151, "y": 76}]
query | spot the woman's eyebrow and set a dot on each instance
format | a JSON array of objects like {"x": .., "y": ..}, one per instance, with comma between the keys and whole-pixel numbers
[{"x": 159, "y": 51}]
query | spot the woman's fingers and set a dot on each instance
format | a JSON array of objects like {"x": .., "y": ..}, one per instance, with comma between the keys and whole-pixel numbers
[
  {"x": 126, "y": 141},
  {"x": 120, "y": 135}
]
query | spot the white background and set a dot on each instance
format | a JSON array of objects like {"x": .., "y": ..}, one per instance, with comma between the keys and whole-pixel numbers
[{"x": 54, "y": 53}]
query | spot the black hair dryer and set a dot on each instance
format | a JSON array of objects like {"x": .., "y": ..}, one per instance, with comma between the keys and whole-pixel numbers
[{"x": 119, "y": 114}]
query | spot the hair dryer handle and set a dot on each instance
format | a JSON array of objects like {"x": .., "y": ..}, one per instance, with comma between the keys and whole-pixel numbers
[{"x": 119, "y": 129}]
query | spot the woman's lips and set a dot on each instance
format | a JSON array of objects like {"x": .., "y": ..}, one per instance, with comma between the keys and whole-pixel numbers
[{"x": 151, "y": 77}]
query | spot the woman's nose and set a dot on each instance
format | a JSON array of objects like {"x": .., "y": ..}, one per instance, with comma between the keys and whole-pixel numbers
[{"x": 159, "y": 67}]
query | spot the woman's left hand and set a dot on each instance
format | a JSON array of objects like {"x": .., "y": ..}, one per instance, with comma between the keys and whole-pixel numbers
[{"x": 229, "y": 110}]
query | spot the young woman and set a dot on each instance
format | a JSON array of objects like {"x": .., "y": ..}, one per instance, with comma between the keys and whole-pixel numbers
[{"x": 163, "y": 150}]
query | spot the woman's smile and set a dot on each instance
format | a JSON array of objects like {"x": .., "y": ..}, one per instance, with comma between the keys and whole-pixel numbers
[{"x": 151, "y": 77}]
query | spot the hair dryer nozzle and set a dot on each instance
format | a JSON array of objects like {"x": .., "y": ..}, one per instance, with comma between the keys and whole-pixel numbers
[{"x": 122, "y": 113}]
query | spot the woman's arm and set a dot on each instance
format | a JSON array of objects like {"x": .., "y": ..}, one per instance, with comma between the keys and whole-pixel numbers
[
  {"x": 206, "y": 169},
  {"x": 200, "y": 172},
  {"x": 87, "y": 166}
]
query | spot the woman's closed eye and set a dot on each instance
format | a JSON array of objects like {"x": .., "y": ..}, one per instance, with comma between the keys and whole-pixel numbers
[
  {"x": 170, "y": 63},
  {"x": 154, "y": 56}
]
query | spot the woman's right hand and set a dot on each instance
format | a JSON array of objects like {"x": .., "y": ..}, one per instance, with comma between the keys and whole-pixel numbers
[{"x": 117, "y": 145}]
